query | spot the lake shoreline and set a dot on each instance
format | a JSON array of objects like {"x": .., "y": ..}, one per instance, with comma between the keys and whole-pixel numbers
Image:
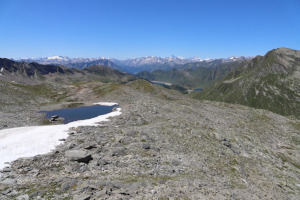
[{"x": 35, "y": 140}]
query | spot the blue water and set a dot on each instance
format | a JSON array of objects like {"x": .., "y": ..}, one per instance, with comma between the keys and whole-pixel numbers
[
  {"x": 198, "y": 89},
  {"x": 160, "y": 84},
  {"x": 80, "y": 113}
]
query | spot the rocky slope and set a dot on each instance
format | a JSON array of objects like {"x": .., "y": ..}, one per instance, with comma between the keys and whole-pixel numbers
[
  {"x": 164, "y": 146},
  {"x": 270, "y": 82}
]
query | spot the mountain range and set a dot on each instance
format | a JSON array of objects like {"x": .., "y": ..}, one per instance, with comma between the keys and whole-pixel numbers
[{"x": 133, "y": 65}]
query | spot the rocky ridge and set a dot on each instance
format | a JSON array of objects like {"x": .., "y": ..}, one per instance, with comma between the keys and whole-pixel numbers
[
  {"x": 270, "y": 82},
  {"x": 166, "y": 146}
]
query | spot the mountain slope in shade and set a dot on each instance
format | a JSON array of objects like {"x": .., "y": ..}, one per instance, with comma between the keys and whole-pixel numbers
[
  {"x": 193, "y": 75},
  {"x": 79, "y": 63},
  {"x": 270, "y": 82},
  {"x": 34, "y": 73}
]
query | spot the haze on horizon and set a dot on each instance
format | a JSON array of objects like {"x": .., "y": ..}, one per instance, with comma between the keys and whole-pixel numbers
[{"x": 133, "y": 28}]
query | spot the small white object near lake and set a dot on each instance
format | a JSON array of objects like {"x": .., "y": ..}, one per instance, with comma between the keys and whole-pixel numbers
[
  {"x": 160, "y": 82},
  {"x": 34, "y": 140}
]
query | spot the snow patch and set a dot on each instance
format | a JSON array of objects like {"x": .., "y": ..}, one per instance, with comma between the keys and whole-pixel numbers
[
  {"x": 106, "y": 103},
  {"x": 34, "y": 140}
]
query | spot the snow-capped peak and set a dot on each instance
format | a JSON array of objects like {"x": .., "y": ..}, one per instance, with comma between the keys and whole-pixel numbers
[
  {"x": 56, "y": 57},
  {"x": 195, "y": 58}
]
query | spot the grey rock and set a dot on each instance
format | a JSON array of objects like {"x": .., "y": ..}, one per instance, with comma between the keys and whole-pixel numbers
[
  {"x": 9, "y": 181},
  {"x": 84, "y": 169},
  {"x": 55, "y": 117},
  {"x": 5, "y": 192},
  {"x": 89, "y": 147},
  {"x": 78, "y": 155},
  {"x": 89, "y": 189},
  {"x": 100, "y": 194},
  {"x": 153, "y": 191},
  {"x": 145, "y": 145},
  {"x": 132, "y": 133},
  {"x": 37, "y": 193},
  {"x": 118, "y": 152},
  {"x": 227, "y": 144},
  {"x": 7, "y": 169},
  {"x": 71, "y": 132},
  {"x": 23, "y": 197},
  {"x": 125, "y": 192},
  {"x": 81, "y": 197},
  {"x": 68, "y": 184}
]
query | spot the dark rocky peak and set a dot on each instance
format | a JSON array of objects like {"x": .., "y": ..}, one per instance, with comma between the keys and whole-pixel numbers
[{"x": 30, "y": 69}]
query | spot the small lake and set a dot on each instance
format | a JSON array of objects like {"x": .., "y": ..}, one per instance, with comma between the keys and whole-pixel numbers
[
  {"x": 198, "y": 89},
  {"x": 158, "y": 83},
  {"x": 161, "y": 83},
  {"x": 80, "y": 113}
]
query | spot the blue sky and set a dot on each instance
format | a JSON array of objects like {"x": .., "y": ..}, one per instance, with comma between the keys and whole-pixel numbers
[{"x": 136, "y": 28}]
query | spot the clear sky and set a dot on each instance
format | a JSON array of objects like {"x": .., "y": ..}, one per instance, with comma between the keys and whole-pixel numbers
[{"x": 136, "y": 28}]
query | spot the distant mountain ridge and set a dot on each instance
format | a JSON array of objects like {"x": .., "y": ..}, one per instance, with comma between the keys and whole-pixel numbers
[
  {"x": 134, "y": 65},
  {"x": 33, "y": 73},
  {"x": 79, "y": 63},
  {"x": 151, "y": 63}
]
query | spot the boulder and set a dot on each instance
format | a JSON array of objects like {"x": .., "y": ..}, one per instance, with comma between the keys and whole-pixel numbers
[
  {"x": 54, "y": 118},
  {"x": 146, "y": 146},
  {"x": 23, "y": 197},
  {"x": 7, "y": 169},
  {"x": 79, "y": 156},
  {"x": 9, "y": 181},
  {"x": 118, "y": 152},
  {"x": 81, "y": 197}
]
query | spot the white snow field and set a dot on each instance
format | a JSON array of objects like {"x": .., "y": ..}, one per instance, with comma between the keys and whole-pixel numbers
[
  {"x": 34, "y": 140},
  {"x": 106, "y": 103}
]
